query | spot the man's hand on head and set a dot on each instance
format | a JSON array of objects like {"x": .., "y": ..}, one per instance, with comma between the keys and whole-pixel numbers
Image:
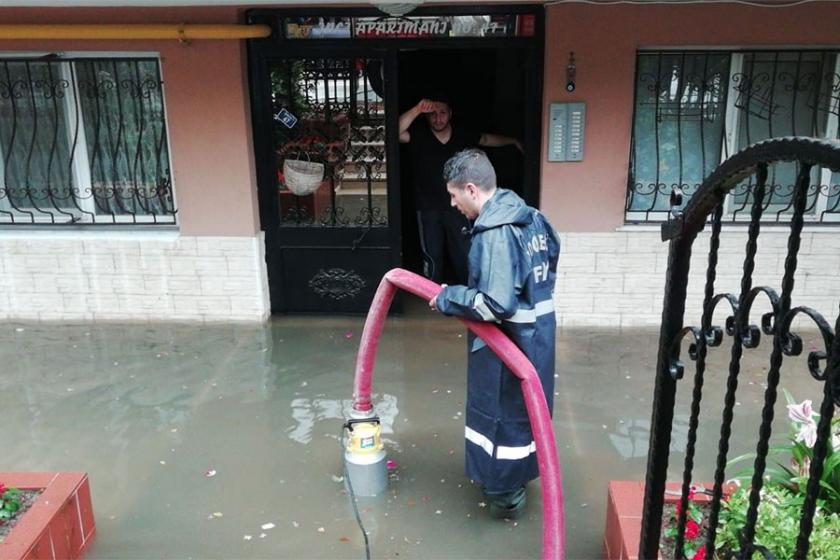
[{"x": 426, "y": 106}]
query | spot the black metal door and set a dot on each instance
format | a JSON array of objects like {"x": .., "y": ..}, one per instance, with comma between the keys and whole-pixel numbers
[{"x": 325, "y": 136}]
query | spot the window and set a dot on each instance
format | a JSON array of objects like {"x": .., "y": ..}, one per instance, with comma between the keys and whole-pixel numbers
[
  {"x": 695, "y": 108},
  {"x": 83, "y": 141}
]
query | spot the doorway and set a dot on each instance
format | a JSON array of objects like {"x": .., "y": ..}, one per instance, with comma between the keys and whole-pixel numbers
[
  {"x": 327, "y": 89},
  {"x": 488, "y": 91}
]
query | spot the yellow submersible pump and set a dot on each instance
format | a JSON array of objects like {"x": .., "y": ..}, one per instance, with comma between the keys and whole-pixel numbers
[{"x": 364, "y": 456}]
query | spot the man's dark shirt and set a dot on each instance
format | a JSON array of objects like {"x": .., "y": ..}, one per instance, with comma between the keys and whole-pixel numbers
[{"x": 428, "y": 156}]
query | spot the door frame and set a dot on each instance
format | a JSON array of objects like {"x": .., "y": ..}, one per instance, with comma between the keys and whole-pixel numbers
[{"x": 261, "y": 51}]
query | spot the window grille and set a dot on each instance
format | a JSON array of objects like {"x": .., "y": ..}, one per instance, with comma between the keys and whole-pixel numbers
[
  {"x": 693, "y": 109},
  {"x": 83, "y": 141}
]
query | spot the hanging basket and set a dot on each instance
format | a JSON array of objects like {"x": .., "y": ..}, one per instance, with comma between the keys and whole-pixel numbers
[{"x": 303, "y": 177}]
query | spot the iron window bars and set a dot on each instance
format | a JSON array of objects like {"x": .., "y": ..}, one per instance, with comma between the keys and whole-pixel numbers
[
  {"x": 693, "y": 109},
  {"x": 83, "y": 141}
]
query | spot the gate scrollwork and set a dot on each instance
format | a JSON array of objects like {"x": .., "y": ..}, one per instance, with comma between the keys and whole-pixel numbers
[{"x": 777, "y": 325}]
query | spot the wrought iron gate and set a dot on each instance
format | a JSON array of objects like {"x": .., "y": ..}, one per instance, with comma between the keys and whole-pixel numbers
[{"x": 749, "y": 167}]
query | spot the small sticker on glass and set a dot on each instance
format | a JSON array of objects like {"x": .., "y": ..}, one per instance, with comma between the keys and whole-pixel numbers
[{"x": 285, "y": 117}]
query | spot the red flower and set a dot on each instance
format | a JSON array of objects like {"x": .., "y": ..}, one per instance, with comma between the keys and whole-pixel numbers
[
  {"x": 2, "y": 489},
  {"x": 692, "y": 529},
  {"x": 700, "y": 554},
  {"x": 692, "y": 492}
]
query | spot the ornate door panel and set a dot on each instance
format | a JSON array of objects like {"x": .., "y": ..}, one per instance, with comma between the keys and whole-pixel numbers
[{"x": 326, "y": 206}]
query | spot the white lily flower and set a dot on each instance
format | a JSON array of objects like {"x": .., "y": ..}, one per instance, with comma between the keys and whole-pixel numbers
[
  {"x": 807, "y": 433},
  {"x": 802, "y": 413}
]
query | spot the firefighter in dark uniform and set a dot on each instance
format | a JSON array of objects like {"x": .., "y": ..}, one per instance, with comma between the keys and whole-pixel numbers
[{"x": 512, "y": 267}]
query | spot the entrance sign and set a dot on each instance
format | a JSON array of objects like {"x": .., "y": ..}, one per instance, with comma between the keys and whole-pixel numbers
[
  {"x": 421, "y": 27},
  {"x": 402, "y": 28}
]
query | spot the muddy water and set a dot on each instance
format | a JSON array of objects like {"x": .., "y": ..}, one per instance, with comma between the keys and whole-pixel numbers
[{"x": 152, "y": 410}]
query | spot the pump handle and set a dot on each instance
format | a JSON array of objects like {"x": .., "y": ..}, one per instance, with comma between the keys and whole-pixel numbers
[{"x": 349, "y": 424}]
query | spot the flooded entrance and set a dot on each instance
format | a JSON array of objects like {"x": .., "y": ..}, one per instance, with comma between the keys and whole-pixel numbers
[{"x": 151, "y": 410}]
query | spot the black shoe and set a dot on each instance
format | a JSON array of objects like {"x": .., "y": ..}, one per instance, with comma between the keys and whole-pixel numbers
[{"x": 507, "y": 505}]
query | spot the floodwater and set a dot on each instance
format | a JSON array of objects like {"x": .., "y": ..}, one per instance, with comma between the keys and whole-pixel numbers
[{"x": 151, "y": 411}]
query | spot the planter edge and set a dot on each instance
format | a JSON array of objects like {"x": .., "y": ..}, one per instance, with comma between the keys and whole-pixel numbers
[{"x": 59, "y": 525}]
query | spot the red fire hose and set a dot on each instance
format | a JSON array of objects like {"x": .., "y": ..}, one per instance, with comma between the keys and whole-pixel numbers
[{"x": 513, "y": 358}]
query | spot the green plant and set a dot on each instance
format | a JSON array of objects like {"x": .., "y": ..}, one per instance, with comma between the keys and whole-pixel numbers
[
  {"x": 778, "y": 525},
  {"x": 10, "y": 502},
  {"x": 793, "y": 459},
  {"x": 802, "y": 451}
]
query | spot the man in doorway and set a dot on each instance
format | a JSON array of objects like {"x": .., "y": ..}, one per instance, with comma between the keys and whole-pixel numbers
[
  {"x": 512, "y": 267},
  {"x": 431, "y": 143}
]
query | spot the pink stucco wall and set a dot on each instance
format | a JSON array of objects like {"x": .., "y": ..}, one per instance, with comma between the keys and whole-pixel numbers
[
  {"x": 589, "y": 195},
  {"x": 207, "y": 108},
  {"x": 209, "y": 119}
]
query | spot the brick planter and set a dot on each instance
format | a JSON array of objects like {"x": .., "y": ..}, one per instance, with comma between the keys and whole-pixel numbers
[
  {"x": 59, "y": 525},
  {"x": 624, "y": 519},
  {"x": 624, "y": 515}
]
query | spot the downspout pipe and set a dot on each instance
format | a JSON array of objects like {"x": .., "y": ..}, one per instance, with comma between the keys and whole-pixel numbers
[
  {"x": 178, "y": 31},
  {"x": 535, "y": 401}
]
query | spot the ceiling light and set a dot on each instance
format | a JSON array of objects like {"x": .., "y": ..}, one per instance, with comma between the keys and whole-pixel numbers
[{"x": 397, "y": 9}]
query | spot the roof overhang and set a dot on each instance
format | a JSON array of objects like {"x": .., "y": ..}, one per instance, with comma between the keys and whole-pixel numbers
[
  {"x": 255, "y": 3},
  {"x": 390, "y": 6},
  {"x": 305, "y": 3}
]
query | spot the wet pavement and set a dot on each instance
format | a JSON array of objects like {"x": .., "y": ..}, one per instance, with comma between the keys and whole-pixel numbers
[{"x": 151, "y": 410}]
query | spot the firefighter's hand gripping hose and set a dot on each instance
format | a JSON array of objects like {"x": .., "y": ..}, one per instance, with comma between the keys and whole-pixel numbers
[{"x": 513, "y": 358}]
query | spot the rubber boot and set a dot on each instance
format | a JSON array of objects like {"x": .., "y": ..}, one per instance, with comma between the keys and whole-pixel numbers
[{"x": 507, "y": 505}]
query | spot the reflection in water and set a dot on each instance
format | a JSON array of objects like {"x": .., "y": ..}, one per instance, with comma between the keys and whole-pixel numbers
[
  {"x": 306, "y": 412},
  {"x": 632, "y": 436}
]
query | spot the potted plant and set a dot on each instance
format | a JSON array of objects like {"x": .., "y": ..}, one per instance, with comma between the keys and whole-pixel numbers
[
  {"x": 624, "y": 519},
  {"x": 695, "y": 531},
  {"x": 13, "y": 504},
  {"x": 45, "y": 515},
  {"x": 783, "y": 493}
]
